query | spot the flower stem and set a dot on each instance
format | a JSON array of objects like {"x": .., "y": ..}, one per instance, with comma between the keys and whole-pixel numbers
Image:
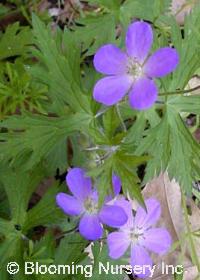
[
  {"x": 120, "y": 118},
  {"x": 194, "y": 255},
  {"x": 67, "y": 232},
  {"x": 179, "y": 91}
]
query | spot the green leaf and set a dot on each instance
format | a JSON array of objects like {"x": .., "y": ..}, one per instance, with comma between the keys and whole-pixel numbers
[
  {"x": 58, "y": 157},
  {"x": 94, "y": 32},
  {"x": 147, "y": 10},
  {"x": 135, "y": 132},
  {"x": 3, "y": 10},
  {"x": 175, "y": 32},
  {"x": 187, "y": 104},
  {"x": 70, "y": 251},
  {"x": 31, "y": 138},
  {"x": 102, "y": 261},
  {"x": 19, "y": 187},
  {"x": 5, "y": 226},
  {"x": 105, "y": 186},
  {"x": 173, "y": 149},
  {"x": 9, "y": 248},
  {"x": 188, "y": 51},
  {"x": 97, "y": 133},
  {"x": 15, "y": 41},
  {"x": 18, "y": 91},
  {"x": 42, "y": 250},
  {"x": 111, "y": 121},
  {"x": 112, "y": 4},
  {"x": 60, "y": 66},
  {"x": 45, "y": 212},
  {"x": 125, "y": 165}
]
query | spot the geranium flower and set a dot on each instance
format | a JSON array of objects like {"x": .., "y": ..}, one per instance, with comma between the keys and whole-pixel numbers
[
  {"x": 116, "y": 183},
  {"x": 132, "y": 71},
  {"x": 140, "y": 235},
  {"x": 84, "y": 203}
]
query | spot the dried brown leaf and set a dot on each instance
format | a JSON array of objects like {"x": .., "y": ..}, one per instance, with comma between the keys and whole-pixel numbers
[{"x": 180, "y": 8}]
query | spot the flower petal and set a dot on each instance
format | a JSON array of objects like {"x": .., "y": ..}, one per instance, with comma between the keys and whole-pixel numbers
[
  {"x": 145, "y": 219},
  {"x": 139, "y": 39},
  {"x": 90, "y": 227},
  {"x": 126, "y": 205},
  {"x": 143, "y": 94},
  {"x": 118, "y": 243},
  {"x": 110, "y": 90},
  {"x": 94, "y": 195},
  {"x": 110, "y": 60},
  {"x": 113, "y": 216},
  {"x": 141, "y": 258},
  {"x": 116, "y": 182},
  {"x": 157, "y": 240},
  {"x": 79, "y": 184},
  {"x": 69, "y": 204},
  {"x": 161, "y": 63}
]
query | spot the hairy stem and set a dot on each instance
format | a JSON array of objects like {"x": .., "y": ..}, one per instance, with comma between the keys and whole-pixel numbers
[
  {"x": 74, "y": 229},
  {"x": 179, "y": 91}
]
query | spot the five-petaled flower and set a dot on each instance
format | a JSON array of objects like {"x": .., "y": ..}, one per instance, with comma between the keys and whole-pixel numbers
[
  {"x": 132, "y": 71},
  {"x": 139, "y": 234},
  {"x": 84, "y": 203}
]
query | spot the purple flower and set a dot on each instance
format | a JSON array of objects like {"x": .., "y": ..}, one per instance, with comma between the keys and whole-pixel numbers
[
  {"x": 84, "y": 203},
  {"x": 116, "y": 183},
  {"x": 132, "y": 71},
  {"x": 139, "y": 235}
]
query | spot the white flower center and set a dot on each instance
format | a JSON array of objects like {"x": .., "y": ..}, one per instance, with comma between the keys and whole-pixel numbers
[
  {"x": 135, "y": 235},
  {"x": 134, "y": 69},
  {"x": 91, "y": 206}
]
